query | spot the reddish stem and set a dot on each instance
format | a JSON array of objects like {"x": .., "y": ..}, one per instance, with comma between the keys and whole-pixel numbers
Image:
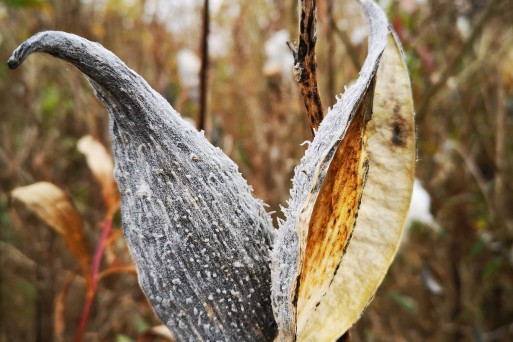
[{"x": 91, "y": 291}]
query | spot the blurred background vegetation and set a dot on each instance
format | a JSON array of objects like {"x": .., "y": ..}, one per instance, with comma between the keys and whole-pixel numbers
[{"x": 452, "y": 280}]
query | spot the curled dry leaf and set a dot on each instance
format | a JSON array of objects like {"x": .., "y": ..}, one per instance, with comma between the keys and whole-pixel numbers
[
  {"x": 101, "y": 165},
  {"x": 54, "y": 207},
  {"x": 199, "y": 239}
]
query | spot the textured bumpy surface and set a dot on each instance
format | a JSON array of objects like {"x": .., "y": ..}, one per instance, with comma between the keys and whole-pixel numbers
[{"x": 199, "y": 239}]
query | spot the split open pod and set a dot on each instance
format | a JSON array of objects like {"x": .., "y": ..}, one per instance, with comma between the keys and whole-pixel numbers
[
  {"x": 208, "y": 258},
  {"x": 350, "y": 197}
]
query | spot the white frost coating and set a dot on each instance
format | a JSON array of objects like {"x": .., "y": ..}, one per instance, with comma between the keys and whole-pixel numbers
[
  {"x": 310, "y": 173},
  {"x": 160, "y": 184}
]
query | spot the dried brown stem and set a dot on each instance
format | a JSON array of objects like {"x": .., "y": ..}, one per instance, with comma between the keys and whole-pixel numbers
[
  {"x": 305, "y": 64},
  {"x": 330, "y": 48},
  {"x": 500, "y": 158},
  {"x": 474, "y": 170},
  {"x": 350, "y": 49},
  {"x": 204, "y": 67}
]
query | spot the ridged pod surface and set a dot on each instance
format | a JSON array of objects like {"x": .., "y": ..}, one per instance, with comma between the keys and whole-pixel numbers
[{"x": 200, "y": 241}]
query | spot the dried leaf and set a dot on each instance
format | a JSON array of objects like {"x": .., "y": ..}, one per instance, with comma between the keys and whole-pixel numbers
[
  {"x": 327, "y": 187},
  {"x": 384, "y": 204},
  {"x": 59, "y": 313},
  {"x": 160, "y": 331},
  {"x": 198, "y": 237},
  {"x": 54, "y": 207},
  {"x": 117, "y": 269},
  {"x": 101, "y": 165}
]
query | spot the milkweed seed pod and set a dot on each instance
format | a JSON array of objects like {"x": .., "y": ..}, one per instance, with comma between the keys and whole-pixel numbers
[{"x": 205, "y": 249}]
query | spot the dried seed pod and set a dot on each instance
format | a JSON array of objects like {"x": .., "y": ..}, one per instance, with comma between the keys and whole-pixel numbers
[
  {"x": 384, "y": 205},
  {"x": 200, "y": 240},
  {"x": 198, "y": 237},
  {"x": 319, "y": 291}
]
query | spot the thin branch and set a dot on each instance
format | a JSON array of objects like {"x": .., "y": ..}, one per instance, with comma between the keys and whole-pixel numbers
[
  {"x": 118, "y": 269},
  {"x": 204, "y": 67},
  {"x": 305, "y": 64},
  {"x": 330, "y": 48},
  {"x": 475, "y": 171},
  {"x": 350, "y": 49},
  {"x": 91, "y": 291},
  {"x": 499, "y": 333},
  {"x": 453, "y": 67},
  {"x": 500, "y": 159}
]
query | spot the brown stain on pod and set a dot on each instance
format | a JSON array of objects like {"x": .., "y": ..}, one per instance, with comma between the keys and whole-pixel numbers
[
  {"x": 334, "y": 213},
  {"x": 400, "y": 128}
]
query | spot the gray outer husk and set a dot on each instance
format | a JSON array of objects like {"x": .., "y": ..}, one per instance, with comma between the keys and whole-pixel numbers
[
  {"x": 198, "y": 237},
  {"x": 310, "y": 173}
]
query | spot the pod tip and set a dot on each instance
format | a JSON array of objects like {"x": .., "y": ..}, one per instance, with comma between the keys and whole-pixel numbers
[{"x": 13, "y": 62}]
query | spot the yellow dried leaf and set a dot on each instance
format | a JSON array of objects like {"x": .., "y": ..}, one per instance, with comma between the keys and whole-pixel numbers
[
  {"x": 160, "y": 331},
  {"x": 384, "y": 205},
  {"x": 54, "y": 207},
  {"x": 101, "y": 165}
]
